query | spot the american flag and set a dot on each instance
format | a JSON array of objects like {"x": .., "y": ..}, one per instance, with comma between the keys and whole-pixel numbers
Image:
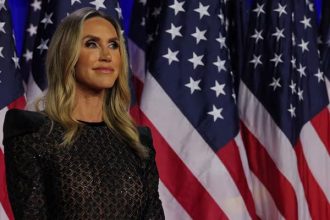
[
  {"x": 325, "y": 41},
  {"x": 189, "y": 102},
  {"x": 284, "y": 111},
  {"x": 11, "y": 93}
]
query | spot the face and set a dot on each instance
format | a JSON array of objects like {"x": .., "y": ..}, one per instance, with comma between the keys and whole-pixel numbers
[{"x": 99, "y": 62}]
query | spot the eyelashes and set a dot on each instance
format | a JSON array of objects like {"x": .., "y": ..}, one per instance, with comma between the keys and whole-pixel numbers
[{"x": 94, "y": 44}]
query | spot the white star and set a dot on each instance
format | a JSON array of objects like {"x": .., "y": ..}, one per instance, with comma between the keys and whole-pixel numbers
[
  {"x": 300, "y": 94},
  {"x": 293, "y": 38},
  {"x": 32, "y": 30},
  {"x": 28, "y": 55},
  {"x": 281, "y": 9},
  {"x": 36, "y": 5},
  {"x": 275, "y": 83},
  {"x": 306, "y": 22},
  {"x": 98, "y": 4},
  {"x": 156, "y": 12},
  {"x": 143, "y": 22},
  {"x": 293, "y": 87},
  {"x": 43, "y": 45},
  {"x": 301, "y": 70},
  {"x": 259, "y": 9},
  {"x": 293, "y": 62},
  {"x": 174, "y": 31},
  {"x": 177, "y": 6},
  {"x": 219, "y": 88},
  {"x": 199, "y": 35},
  {"x": 319, "y": 75},
  {"x": 196, "y": 60},
  {"x": 220, "y": 64},
  {"x": 256, "y": 60},
  {"x": 171, "y": 56},
  {"x": 1, "y": 55},
  {"x": 2, "y": 25},
  {"x": 119, "y": 12},
  {"x": 222, "y": 41},
  {"x": 216, "y": 113},
  {"x": 292, "y": 111},
  {"x": 303, "y": 45},
  {"x": 150, "y": 38},
  {"x": 278, "y": 34},
  {"x": 202, "y": 10},
  {"x": 73, "y": 1},
  {"x": 2, "y": 5},
  {"x": 257, "y": 35},
  {"x": 277, "y": 59},
  {"x": 47, "y": 19},
  {"x": 193, "y": 85},
  {"x": 144, "y": 2},
  {"x": 16, "y": 61}
]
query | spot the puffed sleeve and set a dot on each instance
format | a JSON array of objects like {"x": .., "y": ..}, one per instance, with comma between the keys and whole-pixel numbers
[
  {"x": 154, "y": 209},
  {"x": 25, "y": 179}
]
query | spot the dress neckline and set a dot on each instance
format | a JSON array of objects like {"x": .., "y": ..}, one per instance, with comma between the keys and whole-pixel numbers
[{"x": 95, "y": 124}]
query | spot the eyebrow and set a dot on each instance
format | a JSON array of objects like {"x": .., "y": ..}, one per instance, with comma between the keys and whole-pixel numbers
[{"x": 98, "y": 39}]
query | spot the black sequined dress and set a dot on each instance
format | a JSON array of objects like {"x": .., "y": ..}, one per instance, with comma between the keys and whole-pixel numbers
[{"x": 98, "y": 177}]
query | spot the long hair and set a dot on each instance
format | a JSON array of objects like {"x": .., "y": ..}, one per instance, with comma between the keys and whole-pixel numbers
[{"x": 62, "y": 56}]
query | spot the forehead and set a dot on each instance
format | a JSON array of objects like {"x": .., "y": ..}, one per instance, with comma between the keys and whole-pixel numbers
[{"x": 98, "y": 26}]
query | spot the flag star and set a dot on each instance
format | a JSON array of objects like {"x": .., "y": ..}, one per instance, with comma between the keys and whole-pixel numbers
[
  {"x": 28, "y": 55},
  {"x": 119, "y": 12},
  {"x": 293, "y": 87},
  {"x": 256, "y": 60},
  {"x": 98, "y": 4},
  {"x": 300, "y": 94},
  {"x": 16, "y": 61},
  {"x": 293, "y": 38},
  {"x": 43, "y": 45},
  {"x": 150, "y": 38},
  {"x": 36, "y": 5},
  {"x": 144, "y": 2},
  {"x": 171, "y": 56},
  {"x": 234, "y": 95},
  {"x": 257, "y": 35},
  {"x": 277, "y": 59},
  {"x": 143, "y": 22},
  {"x": 301, "y": 70},
  {"x": 306, "y": 22},
  {"x": 319, "y": 75},
  {"x": 319, "y": 40},
  {"x": 219, "y": 88},
  {"x": 1, "y": 54},
  {"x": 174, "y": 31},
  {"x": 220, "y": 64},
  {"x": 73, "y": 1},
  {"x": 2, "y": 5},
  {"x": 216, "y": 113},
  {"x": 156, "y": 11},
  {"x": 303, "y": 45},
  {"x": 193, "y": 85},
  {"x": 280, "y": 9},
  {"x": 202, "y": 10},
  {"x": 2, "y": 25},
  {"x": 292, "y": 111},
  {"x": 196, "y": 60},
  {"x": 47, "y": 19},
  {"x": 293, "y": 62},
  {"x": 222, "y": 41},
  {"x": 177, "y": 7},
  {"x": 199, "y": 35},
  {"x": 275, "y": 83},
  {"x": 259, "y": 9},
  {"x": 278, "y": 34},
  {"x": 32, "y": 30}
]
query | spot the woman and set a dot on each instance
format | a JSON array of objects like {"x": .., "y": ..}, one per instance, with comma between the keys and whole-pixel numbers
[{"x": 82, "y": 157}]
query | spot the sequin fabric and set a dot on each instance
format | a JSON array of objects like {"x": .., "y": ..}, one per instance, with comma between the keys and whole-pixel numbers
[{"x": 98, "y": 177}]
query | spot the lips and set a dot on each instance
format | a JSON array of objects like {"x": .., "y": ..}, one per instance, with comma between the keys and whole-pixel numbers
[{"x": 104, "y": 69}]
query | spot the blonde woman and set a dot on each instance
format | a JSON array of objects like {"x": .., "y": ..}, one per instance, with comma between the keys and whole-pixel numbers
[{"x": 82, "y": 157}]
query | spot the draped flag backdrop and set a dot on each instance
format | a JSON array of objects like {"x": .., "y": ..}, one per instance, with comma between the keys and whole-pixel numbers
[{"x": 233, "y": 91}]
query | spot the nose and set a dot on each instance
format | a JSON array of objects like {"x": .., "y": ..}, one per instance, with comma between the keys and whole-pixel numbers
[{"x": 105, "y": 54}]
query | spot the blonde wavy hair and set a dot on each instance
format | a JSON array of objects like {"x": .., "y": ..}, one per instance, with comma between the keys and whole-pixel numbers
[{"x": 62, "y": 56}]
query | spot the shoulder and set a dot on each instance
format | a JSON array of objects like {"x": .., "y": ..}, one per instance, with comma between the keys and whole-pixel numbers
[{"x": 20, "y": 122}]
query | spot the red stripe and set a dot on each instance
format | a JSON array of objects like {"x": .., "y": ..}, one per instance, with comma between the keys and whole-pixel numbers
[
  {"x": 318, "y": 205},
  {"x": 265, "y": 169},
  {"x": 19, "y": 103},
  {"x": 4, "y": 200},
  {"x": 321, "y": 123},
  {"x": 230, "y": 157},
  {"x": 179, "y": 180}
]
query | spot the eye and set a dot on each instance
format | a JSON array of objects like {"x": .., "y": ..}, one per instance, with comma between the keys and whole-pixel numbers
[
  {"x": 90, "y": 44},
  {"x": 113, "y": 45}
]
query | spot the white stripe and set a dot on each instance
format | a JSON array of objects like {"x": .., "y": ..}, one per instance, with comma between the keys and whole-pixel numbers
[
  {"x": 3, "y": 215},
  {"x": 2, "y": 119},
  {"x": 137, "y": 60},
  {"x": 265, "y": 205},
  {"x": 327, "y": 83},
  {"x": 172, "y": 208},
  {"x": 261, "y": 124},
  {"x": 33, "y": 92},
  {"x": 192, "y": 149},
  {"x": 317, "y": 157}
]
